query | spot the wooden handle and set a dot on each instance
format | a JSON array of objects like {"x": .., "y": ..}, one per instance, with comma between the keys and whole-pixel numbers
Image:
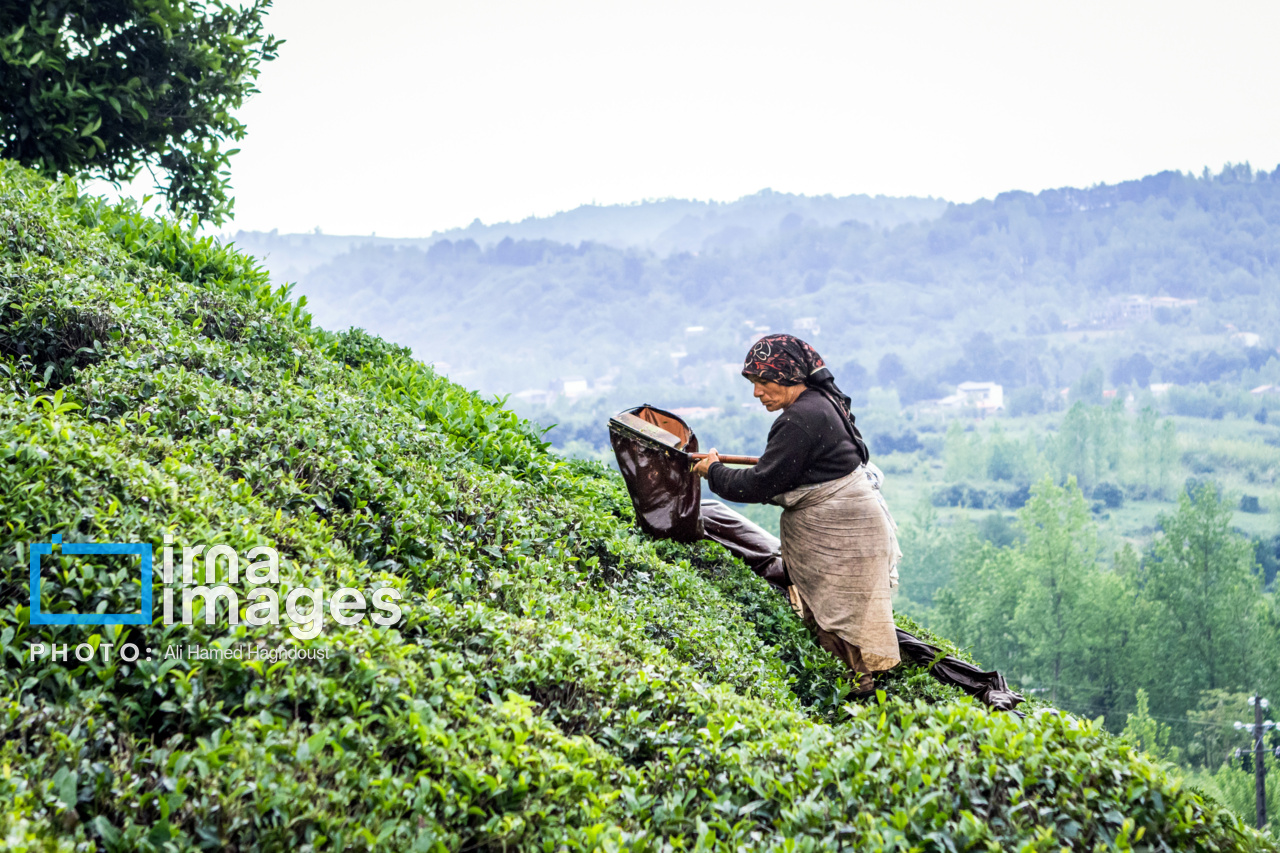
[{"x": 728, "y": 460}]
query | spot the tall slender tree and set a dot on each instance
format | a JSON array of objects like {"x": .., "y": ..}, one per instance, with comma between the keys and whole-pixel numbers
[
  {"x": 1202, "y": 605},
  {"x": 1060, "y": 561},
  {"x": 1167, "y": 454},
  {"x": 1145, "y": 430}
]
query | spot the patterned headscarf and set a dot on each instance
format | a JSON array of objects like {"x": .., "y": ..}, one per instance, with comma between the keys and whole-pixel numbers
[
  {"x": 784, "y": 359},
  {"x": 787, "y": 360}
]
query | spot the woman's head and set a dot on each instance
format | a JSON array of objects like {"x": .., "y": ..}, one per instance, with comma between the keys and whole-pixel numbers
[
  {"x": 781, "y": 367},
  {"x": 783, "y": 359}
]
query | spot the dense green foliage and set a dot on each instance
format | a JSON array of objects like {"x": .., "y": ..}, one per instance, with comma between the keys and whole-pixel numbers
[
  {"x": 114, "y": 87},
  {"x": 557, "y": 682},
  {"x": 1124, "y": 578},
  {"x": 1088, "y": 638}
]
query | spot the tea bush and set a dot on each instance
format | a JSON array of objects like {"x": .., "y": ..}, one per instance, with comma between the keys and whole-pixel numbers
[{"x": 557, "y": 681}]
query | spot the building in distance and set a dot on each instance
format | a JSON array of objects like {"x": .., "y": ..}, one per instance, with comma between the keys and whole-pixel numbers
[{"x": 985, "y": 397}]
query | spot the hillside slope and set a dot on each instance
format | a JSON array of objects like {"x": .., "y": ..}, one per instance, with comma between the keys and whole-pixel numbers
[{"x": 556, "y": 682}]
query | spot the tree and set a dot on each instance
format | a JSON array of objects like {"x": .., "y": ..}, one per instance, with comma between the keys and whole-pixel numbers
[
  {"x": 854, "y": 381},
  {"x": 1148, "y": 734},
  {"x": 965, "y": 453},
  {"x": 1167, "y": 453},
  {"x": 1212, "y": 734},
  {"x": 981, "y": 354},
  {"x": 1006, "y": 457},
  {"x": 1027, "y": 400},
  {"x": 110, "y": 87},
  {"x": 1202, "y": 605},
  {"x": 1072, "y": 445},
  {"x": 1088, "y": 388},
  {"x": 1111, "y": 660},
  {"x": 1146, "y": 432},
  {"x": 928, "y": 552},
  {"x": 1060, "y": 558},
  {"x": 976, "y": 609},
  {"x": 1112, "y": 431},
  {"x": 1135, "y": 369}
]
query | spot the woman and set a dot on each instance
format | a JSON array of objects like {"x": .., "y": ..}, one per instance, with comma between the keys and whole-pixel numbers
[{"x": 838, "y": 541}]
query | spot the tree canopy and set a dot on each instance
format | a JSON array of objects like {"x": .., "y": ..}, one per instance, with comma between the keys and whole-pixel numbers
[{"x": 111, "y": 87}]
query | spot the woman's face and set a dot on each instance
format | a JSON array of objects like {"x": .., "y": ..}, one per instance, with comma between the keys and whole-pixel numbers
[{"x": 774, "y": 396}]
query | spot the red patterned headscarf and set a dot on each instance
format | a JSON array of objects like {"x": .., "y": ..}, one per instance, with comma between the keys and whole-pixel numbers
[
  {"x": 784, "y": 359},
  {"x": 787, "y": 360}
]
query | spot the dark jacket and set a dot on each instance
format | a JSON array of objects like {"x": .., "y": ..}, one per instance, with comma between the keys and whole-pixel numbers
[{"x": 808, "y": 443}]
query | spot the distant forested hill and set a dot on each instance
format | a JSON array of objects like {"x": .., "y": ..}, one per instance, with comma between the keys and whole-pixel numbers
[
  {"x": 1028, "y": 290},
  {"x": 662, "y": 226},
  {"x": 679, "y": 225}
]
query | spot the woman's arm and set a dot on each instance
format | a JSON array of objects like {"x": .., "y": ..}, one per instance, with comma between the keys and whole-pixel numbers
[{"x": 785, "y": 459}]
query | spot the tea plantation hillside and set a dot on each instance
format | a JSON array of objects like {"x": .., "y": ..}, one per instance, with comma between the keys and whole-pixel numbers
[{"x": 556, "y": 681}]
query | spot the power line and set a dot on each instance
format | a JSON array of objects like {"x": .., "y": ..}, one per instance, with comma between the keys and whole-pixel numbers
[{"x": 1081, "y": 711}]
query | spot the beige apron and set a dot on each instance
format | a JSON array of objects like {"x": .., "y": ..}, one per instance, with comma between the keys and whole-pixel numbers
[{"x": 840, "y": 549}]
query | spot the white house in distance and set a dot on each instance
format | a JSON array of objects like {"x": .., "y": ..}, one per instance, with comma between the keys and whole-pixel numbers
[
  {"x": 1136, "y": 308},
  {"x": 1247, "y": 339},
  {"x": 570, "y": 387},
  {"x": 986, "y": 397}
]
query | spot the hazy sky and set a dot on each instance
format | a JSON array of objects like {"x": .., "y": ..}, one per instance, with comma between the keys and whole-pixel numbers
[{"x": 408, "y": 117}]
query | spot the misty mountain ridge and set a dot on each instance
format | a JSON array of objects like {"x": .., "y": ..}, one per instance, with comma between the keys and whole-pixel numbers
[
  {"x": 662, "y": 226},
  {"x": 1042, "y": 277},
  {"x": 679, "y": 225}
]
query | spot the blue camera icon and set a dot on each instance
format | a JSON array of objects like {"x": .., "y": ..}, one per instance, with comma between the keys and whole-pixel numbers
[{"x": 38, "y": 549}]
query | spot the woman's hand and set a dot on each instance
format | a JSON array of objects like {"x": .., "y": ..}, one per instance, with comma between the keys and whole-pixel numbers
[{"x": 703, "y": 466}]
